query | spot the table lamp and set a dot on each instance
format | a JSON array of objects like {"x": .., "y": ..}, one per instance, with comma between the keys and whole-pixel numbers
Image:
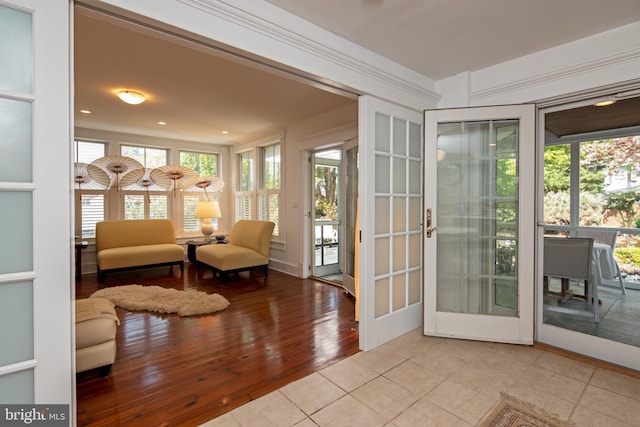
[{"x": 206, "y": 210}]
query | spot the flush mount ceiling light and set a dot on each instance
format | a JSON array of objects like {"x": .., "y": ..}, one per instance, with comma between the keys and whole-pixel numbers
[{"x": 131, "y": 97}]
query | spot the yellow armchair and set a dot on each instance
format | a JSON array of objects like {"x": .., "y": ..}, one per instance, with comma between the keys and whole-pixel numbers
[{"x": 248, "y": 248}]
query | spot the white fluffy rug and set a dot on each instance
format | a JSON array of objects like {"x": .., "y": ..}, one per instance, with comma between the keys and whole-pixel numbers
[{"x": 163, "y": 300}]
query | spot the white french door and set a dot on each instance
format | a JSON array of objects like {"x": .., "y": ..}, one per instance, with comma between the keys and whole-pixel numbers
[
  {"x": 35, "y": 195},
  {"x": 349, "y": 215},
  {"x": 479, "y": 223},
  {"x": 390, "y": 188}
]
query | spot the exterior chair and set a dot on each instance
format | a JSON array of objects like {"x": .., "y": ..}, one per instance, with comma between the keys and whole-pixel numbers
[
  {"x": 571, "y": 259},
  {"x": 607, "y": 267}
]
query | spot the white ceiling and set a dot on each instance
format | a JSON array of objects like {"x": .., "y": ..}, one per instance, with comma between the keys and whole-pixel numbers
[
  {"x": 199, "y": 94},
  {"x": 440, "y": 38}
]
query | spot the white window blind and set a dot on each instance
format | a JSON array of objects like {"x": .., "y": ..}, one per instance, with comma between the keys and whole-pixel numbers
[{"x": 92, "y": 211}]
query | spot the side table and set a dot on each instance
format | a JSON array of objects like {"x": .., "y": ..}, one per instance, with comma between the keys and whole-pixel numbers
[
  {"x": 192, "y": 245},
  {"x": 80, "y": 245}
]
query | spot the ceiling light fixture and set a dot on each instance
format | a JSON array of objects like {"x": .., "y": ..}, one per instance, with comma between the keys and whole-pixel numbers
[
  {"x": 85, "y": 111},
  {"x": 131, "y": 97}
]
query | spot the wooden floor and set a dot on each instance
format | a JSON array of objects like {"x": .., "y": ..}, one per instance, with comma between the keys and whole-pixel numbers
[{"x": 173, "y": 371}]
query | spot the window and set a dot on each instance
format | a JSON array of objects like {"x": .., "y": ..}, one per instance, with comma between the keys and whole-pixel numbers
[
  {"x": 259, "y": 200},
  {"x": 269, "y": 193},
  {"x": 91, "y": 202},
  {"x": 244, "y": 195},
  {"x": 206, "y": 164},
  {"x": 148, "y": 157},
  {"x": 593, "y": 184},
  {"x": 87, "y": 152},
  {"x": 141, "y": 206},
  {"x": 92, "y": 211},
  {"x": 138, "y": 204}
]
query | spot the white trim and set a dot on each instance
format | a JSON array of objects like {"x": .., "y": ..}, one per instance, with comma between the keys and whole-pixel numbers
[
  {"x": 18, "y": 367},
  {"x": 17, "y": 277}
]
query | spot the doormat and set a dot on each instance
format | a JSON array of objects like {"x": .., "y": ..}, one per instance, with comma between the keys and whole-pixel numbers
[
  {"x": 512, "y": 412},
  {"x": 163, "y": 300}
]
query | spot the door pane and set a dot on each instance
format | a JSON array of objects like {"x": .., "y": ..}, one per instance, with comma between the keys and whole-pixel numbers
[
  {"x": 15, "y": 140},
  {"x": 477, "y": 217},
  {"x": 16, "y": 309},
  {"x": 16, "y": 43}
]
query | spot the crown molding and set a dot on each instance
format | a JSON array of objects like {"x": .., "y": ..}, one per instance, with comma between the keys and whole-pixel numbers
[
  {"x": 561, "y": 74},
  {"x": 288, "y": 30}
]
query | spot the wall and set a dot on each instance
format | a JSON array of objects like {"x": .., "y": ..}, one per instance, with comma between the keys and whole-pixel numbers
[{"x": 607, "y": 58}]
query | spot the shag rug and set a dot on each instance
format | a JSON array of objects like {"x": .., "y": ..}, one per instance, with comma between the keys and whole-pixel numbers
[
  {"x": 512, "y": 412},
  {"x": 163, "y": 300}
]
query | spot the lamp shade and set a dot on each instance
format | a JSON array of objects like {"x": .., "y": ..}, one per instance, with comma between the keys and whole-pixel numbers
[{"x": 208, "y": 209}]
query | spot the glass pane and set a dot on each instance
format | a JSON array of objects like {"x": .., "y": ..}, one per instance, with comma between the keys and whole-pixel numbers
[
  {"x": 415, "y": 213},
  {"x": 15, "y": 140},
  {"x": 399, "y": 176},
  {"x": 92, "y": 212},
  {"x": 609, "y": 174},
  {"x": 399, "y": 137},
  {"x": 87, "y": 152},
  {"x": 16, "y": 228},
  {"x": 382, "y": 256},
  {"x": 415, "y": 177},
  {"x": 382, "y": 297},
  {"x": 415, "y": 140},
  {"x": 134, "y": 206},
  {"x": 477, "y": 202},
  {"x": 399, "y": 292},
  {"x": 16, "y": 309},
  {"x": 399, "y": 253},
  {"x": 16, "y": 48},
  {"x": 557, "y": 181},
  {"x": 383, "y": 215},
  {"x": 383, "y": 174},
  {"x": 414, "y": 287},
  {"x": 17, "y": 388},
  {"x": 399, "y": 214},
  {"x": 383, "y": 133},
  {"x": 158, "y": 207}
]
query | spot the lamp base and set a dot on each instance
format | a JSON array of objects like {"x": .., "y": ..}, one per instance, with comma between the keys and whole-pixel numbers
[{"x": 207, "y": 230}]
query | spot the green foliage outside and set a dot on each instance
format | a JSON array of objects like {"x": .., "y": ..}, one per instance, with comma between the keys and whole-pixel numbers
[{"x": 326, "y": 194}]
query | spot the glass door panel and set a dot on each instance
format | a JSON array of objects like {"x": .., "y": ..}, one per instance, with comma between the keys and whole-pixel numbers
[{"x": 478, "y": 224}]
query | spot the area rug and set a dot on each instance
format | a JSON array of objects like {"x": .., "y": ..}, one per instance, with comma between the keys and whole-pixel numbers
[
  {"x": 163, "y": 300},
  {"x": 512, "y": 412}
]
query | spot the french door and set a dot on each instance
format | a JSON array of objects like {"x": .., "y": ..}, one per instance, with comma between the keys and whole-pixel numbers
[
  {"x": 479, "y": 223},
  {"x": 35, "y": 218},
  {"x": 390, "y": 188}
]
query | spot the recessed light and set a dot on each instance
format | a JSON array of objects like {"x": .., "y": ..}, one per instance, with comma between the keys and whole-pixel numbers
[
  {"x": 604, "y": 103},
  {"x": 225, "y": 131},
  {"x": 85, "y": 111},
  {"x": 162, "y": 123}
]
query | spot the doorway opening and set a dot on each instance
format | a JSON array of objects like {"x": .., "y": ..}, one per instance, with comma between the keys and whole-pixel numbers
[{"x": 326, "y": 216}]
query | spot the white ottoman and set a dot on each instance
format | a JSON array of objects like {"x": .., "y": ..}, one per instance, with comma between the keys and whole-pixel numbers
[{"x": 96, "y": 327}]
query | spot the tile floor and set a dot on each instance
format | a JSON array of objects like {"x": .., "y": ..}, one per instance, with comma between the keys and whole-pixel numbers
[{"x": 425, "y": 381}]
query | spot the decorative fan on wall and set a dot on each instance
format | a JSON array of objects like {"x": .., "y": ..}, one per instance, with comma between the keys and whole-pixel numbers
[
  {"x": 204, "y": 183},
  {"x": 146, "y": 180},
  {"x": 116, "y": 167},
  {"x": 179, "y": 175},
  {"x": 89, "y": 177}
]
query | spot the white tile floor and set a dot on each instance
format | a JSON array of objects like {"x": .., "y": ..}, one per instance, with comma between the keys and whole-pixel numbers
[{"x": 424, "y": 381}]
